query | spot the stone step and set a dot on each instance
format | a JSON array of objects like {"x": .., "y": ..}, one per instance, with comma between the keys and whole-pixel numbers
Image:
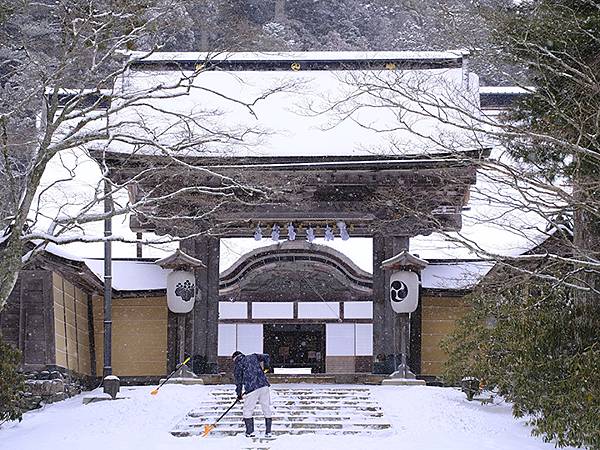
[
  {"x": 222, "y": 433},
  {"x": 294, "y": 411},
  {"x": 291, "y": 400},
  {"x": 284, "y": 409},
  {"x": 292, "y": 416},
  {"x": 304, "y": 418},
  {"x": 231, "y": 397},
  {"x": 289, "y": 414},
  {"x": 302, "y": 390},
  {"x": 274, "y": 392},
  {"x": 297, "y": 411},
  {"x": 295, "y": 425},
  {"x": 275, "y": 402},
  {"x": 308, "y": 387}
]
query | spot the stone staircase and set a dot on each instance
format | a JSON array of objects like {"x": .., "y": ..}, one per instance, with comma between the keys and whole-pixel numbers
[{"x": 296, "y": 410}]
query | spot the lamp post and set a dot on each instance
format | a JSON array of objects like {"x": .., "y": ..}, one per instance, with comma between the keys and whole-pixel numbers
[
  {"x": 405, "y": 281},
  {"x": 108, "y": 208},
  {"x": 181, "y": 290}
]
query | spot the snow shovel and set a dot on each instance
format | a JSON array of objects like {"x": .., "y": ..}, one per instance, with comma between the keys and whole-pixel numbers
[
  {"x": 155, "y": 391},
  {"x": 209, "y": 428}
]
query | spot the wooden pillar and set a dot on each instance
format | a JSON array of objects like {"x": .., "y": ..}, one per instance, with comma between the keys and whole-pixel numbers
[
  {"x": 27, "y": 320},
  {"x": 387, "y": 326},
  {"x": 91, "y": 336},
  {"x": 414, "y": 348},
  {"x": 172, "y": 344},
  {"x": 202, "y": 322}
]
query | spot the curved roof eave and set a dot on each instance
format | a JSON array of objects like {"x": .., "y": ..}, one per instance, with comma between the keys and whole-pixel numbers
[{"x": 296, "y": 250}]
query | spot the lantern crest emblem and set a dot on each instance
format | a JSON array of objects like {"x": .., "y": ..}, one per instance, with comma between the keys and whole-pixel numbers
[
  {"x": 185, "y": 290},
  {"x": 398, "y": 291}
]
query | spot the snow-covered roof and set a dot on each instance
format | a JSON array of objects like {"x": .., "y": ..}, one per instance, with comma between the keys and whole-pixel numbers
[
  {"x": 57, "y": 250},
  {"x": 501, "y": 97},
  {"x": 298, "y": 56},
  {"x": 455, "y": 275},
  {"x": 144, "y": 275},
  {"x": 510, "y": 90},
  {"x": 252, "y": 111},
  {"x": 147, "y": 276},
  {"x": 131, "y": 275}
]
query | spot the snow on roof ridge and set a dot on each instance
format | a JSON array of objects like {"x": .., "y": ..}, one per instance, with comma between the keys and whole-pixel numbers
[
  {"x": 455, "y": 276},
  {"x": 299, "y": 56},
  {"x": 57, "y": 250},
  {"x": 131, "y": 276},
  {"x": 506, "y": 89},
  {"x": 76, "y": 91}
]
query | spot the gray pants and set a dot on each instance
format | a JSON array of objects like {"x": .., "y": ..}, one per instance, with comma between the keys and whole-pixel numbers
[{"x": 262, "y": 396}]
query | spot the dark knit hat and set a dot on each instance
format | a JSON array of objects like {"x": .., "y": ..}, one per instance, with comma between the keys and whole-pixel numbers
[{"x": 236, "y": 354}]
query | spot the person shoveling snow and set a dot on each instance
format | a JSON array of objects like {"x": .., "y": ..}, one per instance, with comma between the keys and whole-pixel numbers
[{"x": 249, "y": 374}]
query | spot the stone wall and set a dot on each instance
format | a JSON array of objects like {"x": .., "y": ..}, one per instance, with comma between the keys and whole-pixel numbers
[{"x": 45, "y": 387}]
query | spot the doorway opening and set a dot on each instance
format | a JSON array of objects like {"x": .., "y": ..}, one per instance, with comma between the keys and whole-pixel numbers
[{"x": 296, "y": 345}]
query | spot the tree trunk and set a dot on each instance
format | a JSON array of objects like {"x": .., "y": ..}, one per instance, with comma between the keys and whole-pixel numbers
[
  {"x": 586, "y": 242},
  {"x": 11, "y": 264}
]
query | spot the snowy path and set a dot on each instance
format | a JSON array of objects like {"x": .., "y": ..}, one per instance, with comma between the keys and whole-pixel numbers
[{"x": 421, "y": 417}]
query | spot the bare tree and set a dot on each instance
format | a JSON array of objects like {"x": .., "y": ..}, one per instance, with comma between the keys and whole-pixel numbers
[
  {"x": 514, "y": 194},
  {"x": 62, "y": 71},
  {"x": 532, "y": 332}
]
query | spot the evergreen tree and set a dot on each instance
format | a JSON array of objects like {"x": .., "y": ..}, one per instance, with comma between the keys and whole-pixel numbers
[
  {"x": 540, "y": 347},
  {"x": 519, "y": 338},
  {"x": 11, "y": 383},
  {"x": 559, "y": 41}
]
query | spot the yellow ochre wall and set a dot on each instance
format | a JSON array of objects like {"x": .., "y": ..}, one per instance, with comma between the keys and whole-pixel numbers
[
  {"x": 71, "y": 331},
  {"x": 439, "y": 316},
  {"x": 139, "y": 335}
]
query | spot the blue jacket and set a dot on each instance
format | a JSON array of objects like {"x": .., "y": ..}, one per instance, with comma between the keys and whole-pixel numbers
[{"x": 248, "y": 373}]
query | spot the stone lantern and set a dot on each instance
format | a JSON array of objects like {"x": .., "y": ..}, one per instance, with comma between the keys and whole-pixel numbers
[
  {"x": 181, "y": 290},
  {"x": 404, "y": 294}
]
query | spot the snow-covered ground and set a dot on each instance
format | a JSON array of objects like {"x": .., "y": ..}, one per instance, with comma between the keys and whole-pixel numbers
[{"x": 421, "y": 417}]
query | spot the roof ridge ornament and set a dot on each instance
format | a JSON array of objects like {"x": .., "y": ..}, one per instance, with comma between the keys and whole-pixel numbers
[
  {"x": 404, "y": 260},
  {"x": 179, "y": 260}
]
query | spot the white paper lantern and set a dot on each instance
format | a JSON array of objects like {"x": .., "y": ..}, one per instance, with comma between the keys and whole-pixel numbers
[
  {"x": 181, "y": 291},
  {"x": 404, "y": 291}
]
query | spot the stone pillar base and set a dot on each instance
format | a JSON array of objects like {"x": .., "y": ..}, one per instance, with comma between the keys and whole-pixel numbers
[{"x": 184, "y": 376}]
